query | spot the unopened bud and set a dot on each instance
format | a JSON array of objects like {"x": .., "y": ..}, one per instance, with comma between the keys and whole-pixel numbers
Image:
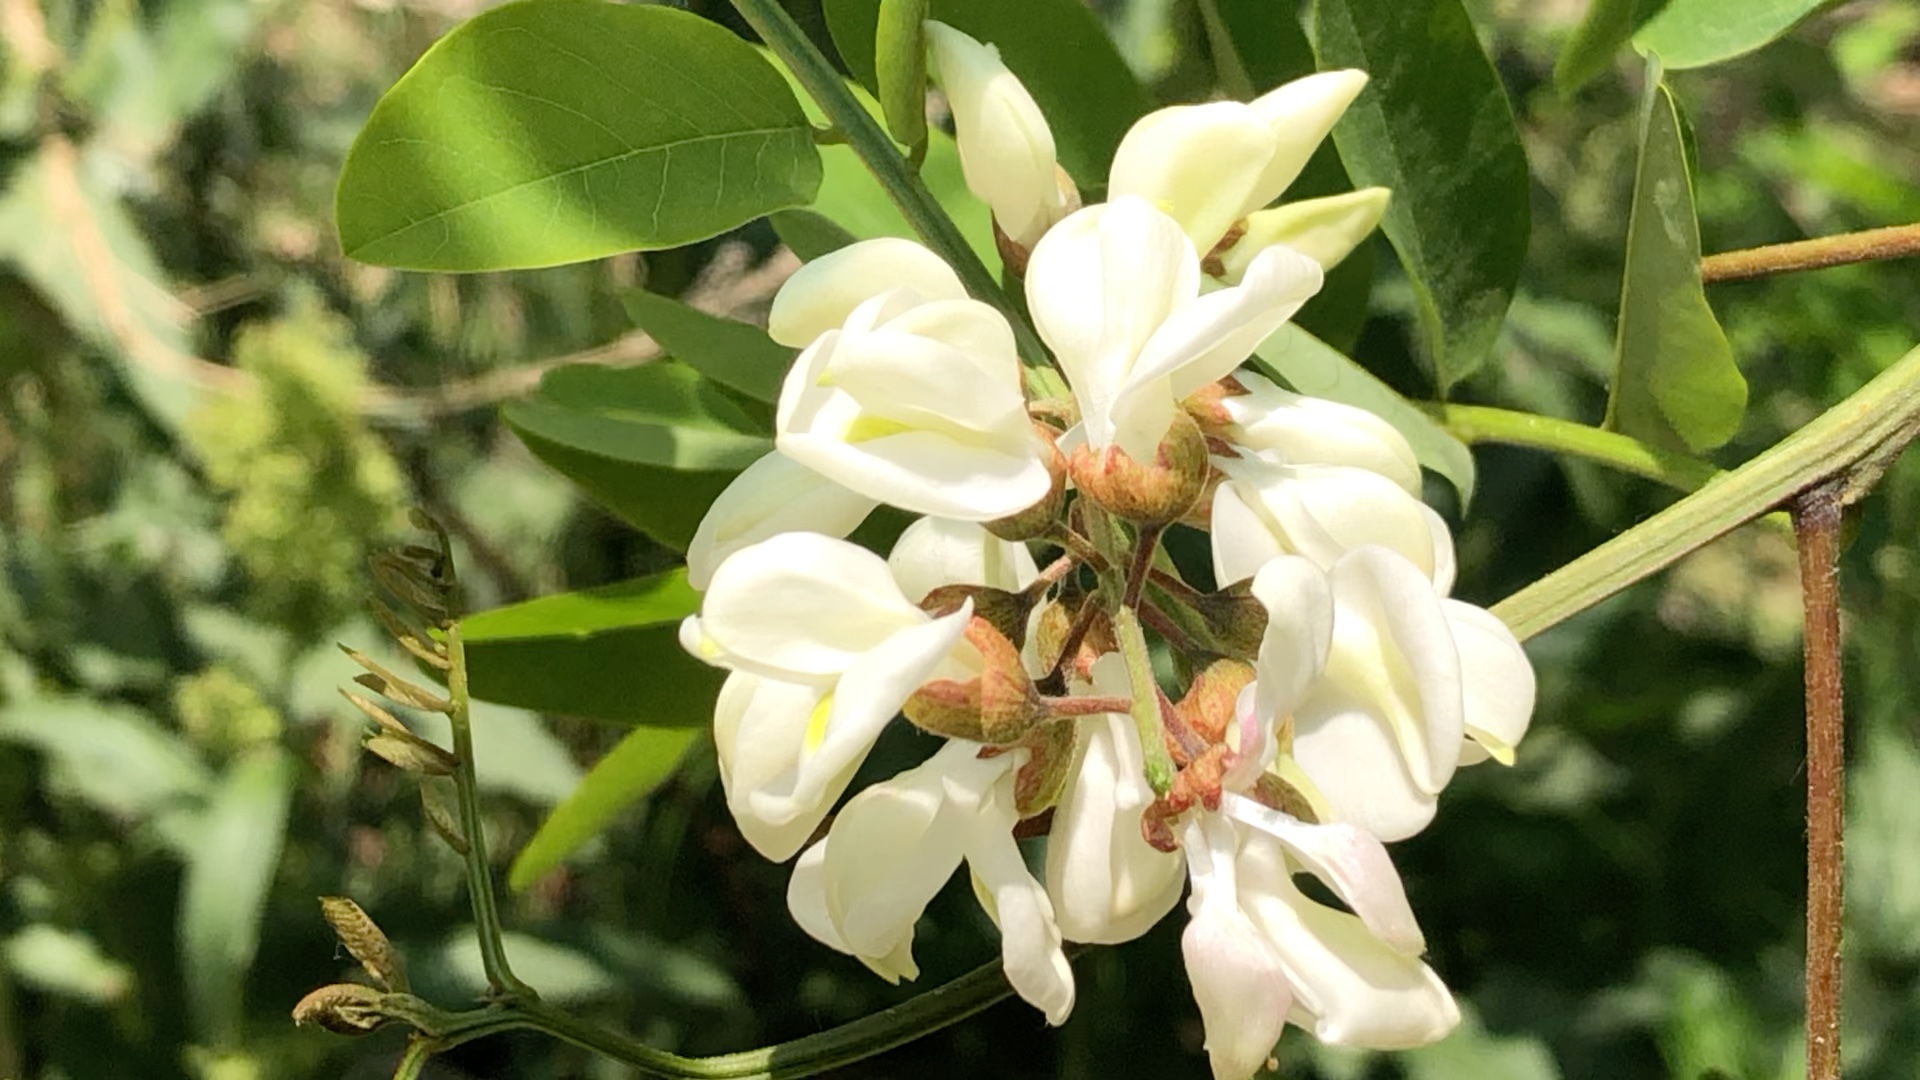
[
  {"x": 342, "y": 1008},
  {"x": 997, "y": 708},
  {"x": 365, "y": 941},
  {"x": 1208, "y": 707},
  {"x": 1038, "y": 520},
  {"x": 1014, "y": 255},
  {"x": 1146, "y": 494}
]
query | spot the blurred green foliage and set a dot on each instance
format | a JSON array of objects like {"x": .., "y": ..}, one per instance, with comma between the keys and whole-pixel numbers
[{"x": 207, "y": 416}]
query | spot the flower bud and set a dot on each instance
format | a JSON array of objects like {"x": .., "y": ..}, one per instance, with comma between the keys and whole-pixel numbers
[
  {"x": 1324, "y": 230},
  {"x": 1013, "y": 253},
  {"x": 1146, "y": 494},
  {"x": 998, "y": 707},
  {"x": 365, "y": 941},
  {"x": 342, "y": 1008},
  {"x": 1006, "y": 148},
  {"x": 1208, "y": 707},
  {"x": 1038, "y": 520}
]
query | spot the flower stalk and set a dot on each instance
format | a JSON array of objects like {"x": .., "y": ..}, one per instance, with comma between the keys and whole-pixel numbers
[{"x": 1816, "y": 520}]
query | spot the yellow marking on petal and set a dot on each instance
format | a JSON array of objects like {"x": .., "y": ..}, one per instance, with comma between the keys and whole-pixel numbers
[
  {"x": 817, "y": 725},
  {"x": 708, "y": 648},
  {"x": 1496, "y": 749},
  {"x": 873, "y": 427}
]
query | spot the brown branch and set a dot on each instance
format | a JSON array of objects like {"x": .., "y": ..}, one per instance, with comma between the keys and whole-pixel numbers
[
  {"x": 1893, "y": 242},
  {"x": 1816, "y": 520}
]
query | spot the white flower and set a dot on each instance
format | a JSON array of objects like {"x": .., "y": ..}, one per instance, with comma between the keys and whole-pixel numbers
[
  {"x": 909, "y": 394},
  {"x": 894, "y": 845},
  {"x": 1006, "y": 148},
  {"x": 774, "y": 495},
  {"x": 1410, "y": 677},
  {"x": 933, "y": 552},
  {"x": 1263, "y": 509},
  {"x": 824, "y": 649},
  {"x": 1211, "y": 165},
  {"x": 1115, "y": 292},
  {"x": 1325, "y": 230},
  {"x": 1294, "y": 429}
]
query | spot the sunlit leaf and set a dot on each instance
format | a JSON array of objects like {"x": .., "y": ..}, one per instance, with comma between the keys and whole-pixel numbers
[
  {"x": 1675, "y": 383},
  {"x": 1311, "y": 367},
  {"x": 1695, "y": 33},
  {"x": 642, "y": 761},
  {"x": 229, "y": 872},
  {"x": 655, "y": 444},
  {"x": 552, "y": 131},
  {"x": 734, "y": 354},
  {"x": 1057, "y": 48},
  {"x": 64, "y": 962},
  {"x": 1435, "y": 126},
  {"x": 1592, "y": 46},
  {"x": 611, "y": 653},
  {"x": 111, "y": 756}
]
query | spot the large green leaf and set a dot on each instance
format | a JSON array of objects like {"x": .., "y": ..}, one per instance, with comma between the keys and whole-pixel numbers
[
  {"x": 655, "y": 444},
  {"x": 630, "y": 772},
  {"x": 734, "y": 354},
  {"x": 1436, "y": 127},
  {"x": 1058, "y": 49},
  {"x": 552, "y": 131},
  {"x": 229, "y": 873},
  {"x": 1312, "y": 367},
  {"x": 1675, "y": 383},
  {"x": 1695, "y": 33},
  {"x": 611, "y": 653}
]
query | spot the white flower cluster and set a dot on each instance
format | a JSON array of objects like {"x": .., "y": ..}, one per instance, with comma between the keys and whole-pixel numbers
[{"x": 1300, "y": 746}]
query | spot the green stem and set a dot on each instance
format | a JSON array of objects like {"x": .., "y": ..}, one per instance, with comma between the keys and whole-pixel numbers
[
  {"x": 414, "y": 1060},
  {"x": 486, "y": 916},
  {"x": 896, "y": 176},
  {"x": 1479, "y": 424},
  {"x": 1856, "y": 441},
  {"x": 1146, "y": 698}
]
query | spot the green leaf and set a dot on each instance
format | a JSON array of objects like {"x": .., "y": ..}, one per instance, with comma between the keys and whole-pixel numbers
[
  {"x": 654, "y": 444},
  {"x": 1312, "y": 367},
  {"x": 565, "y": 975},
  {"x": 1058, "y": 49},
  {"x": 1695, "y": 33},
  {"x": 553, "y": 131},
  {"x": 611, "y": 653},
  {"x": 1435, "y": 126},
  {"x": 809, "y": 234},
  {"x": 67, "y": 963},
  {"x": 1675, "y": 383},
  {"x": 1591, "y": 48},
  {"x": 229, "y": 874},
  {"x": 900, "y": 69},
  {"x": 734, "y": 354},
  {"x": 116, "y": 759},
  {"x": 630, "y": 772}
]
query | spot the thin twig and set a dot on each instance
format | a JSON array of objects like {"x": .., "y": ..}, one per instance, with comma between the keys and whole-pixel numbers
[
  {"x": 1892, "y": 242},
  {"x": 486, "y": 913},
  {"x": 1816, "y": 520}
]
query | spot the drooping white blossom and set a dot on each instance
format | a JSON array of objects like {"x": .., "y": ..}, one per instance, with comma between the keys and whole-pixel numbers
[{"x": 1006, "y": 147}]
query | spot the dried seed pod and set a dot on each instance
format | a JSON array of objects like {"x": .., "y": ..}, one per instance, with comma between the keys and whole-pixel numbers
[
  {"x": 342, "y": 1008},
  {"x": 412, "y": 753},
  {"x": 365, "y": 941}
]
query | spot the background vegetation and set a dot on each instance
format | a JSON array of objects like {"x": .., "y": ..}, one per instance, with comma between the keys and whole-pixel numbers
[{"x": 208, "y": 417}]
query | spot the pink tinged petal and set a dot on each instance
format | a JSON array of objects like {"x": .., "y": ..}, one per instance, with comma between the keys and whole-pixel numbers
[
  {"x": 1349, "y": 985},
  {"x": 760, "y": 728},
  {"x": 1300, "y": 114},
  {"x": 1299, "y": 634},
  {"x": 941, "y": 551},
  {"x": 1208, "y": 338},
  {"x": 1107, "y": 883},
  {"x": 1302, "y": 430},
  {"x": 1353, "y": 761},
  {"x": 807, "y": 901},
  {"x": 800, "y": 606},
  {"x": 1499, "y": 680},
  {"x": 1238, "y": 978},
  {"x": 1394, "y": 650},
  {"x": 1006, "y": 148},
  {"x": 1352, "y": 862},
  {"x": 821, "y": 294},
  {"x": 925, "y": 472},
  {"x": 1243, "y": 542},
  {"x": 774, "y": 495},
  {"x": 1201, "y": 164},
  {"x": 1030, "y": 941}
]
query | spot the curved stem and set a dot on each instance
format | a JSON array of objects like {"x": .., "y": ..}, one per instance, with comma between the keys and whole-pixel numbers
[
  {"x": 486, "y": 915},
  {"x": 1480, "y": 424},
  {"x": 1892, "y": 242},
  {"x": 1854, "y": 441},
  {"x": 902, "y": 184}
]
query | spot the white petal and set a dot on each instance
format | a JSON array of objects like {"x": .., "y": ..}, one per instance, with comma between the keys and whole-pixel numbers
[
  {"x": 1301, "y": 430},
  {"x": 933, "y": 552},
  {"x": 1300, "y": 113},
  {"x": 1107, "y": 883},
  {"x": 774, "y": 495},
  {"x": 800, "y": 606},
  {"x": 1208, "y": 338},
  {"x": 807, "y": 901},
  {"x": 1325, "y": 511},
  {"x": 760, "y": 729},
  {"x": 1239, "y": 980},
  {"x": 1352, "y": 862},
  {"x": 1325, "y": 230},
  {"x": 1498, "y": 679},
  {"x": 820, "y": 295},
  {"x": 1243, "y": 542},
  {"x": 1030, "y": 942},
  {"x": 1201, "y": 164},
  {"x": 1006, "y": 148},
  {"x": 1293, "y": 650},
  {"x": 1354, "y": 988},
  {"x": 925, "y": 472},
  {"x": 1355, "y": 763},
  {"x": 1445, "y": 567}
]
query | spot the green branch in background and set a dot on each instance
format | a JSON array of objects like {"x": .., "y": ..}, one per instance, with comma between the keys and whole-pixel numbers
[
  {"x": 895, "y": 174},
  {"x": 1473, "y": 424},
  {"x": 1855, "y": 441}
]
